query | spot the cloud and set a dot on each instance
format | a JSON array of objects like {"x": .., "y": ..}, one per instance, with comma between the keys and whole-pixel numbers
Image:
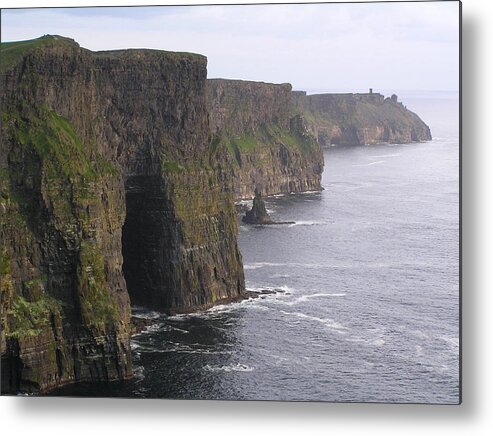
[{"x": 331, "y": 46}]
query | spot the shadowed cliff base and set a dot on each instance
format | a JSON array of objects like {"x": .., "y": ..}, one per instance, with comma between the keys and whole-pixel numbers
[{"x": 91, "y": 141}]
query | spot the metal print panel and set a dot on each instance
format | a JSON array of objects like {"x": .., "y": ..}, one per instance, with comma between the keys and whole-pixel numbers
[{"x": 243, "y": 202}]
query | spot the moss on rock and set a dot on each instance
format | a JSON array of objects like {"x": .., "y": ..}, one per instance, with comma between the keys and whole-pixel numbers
[{"x": 29, "y": 318}]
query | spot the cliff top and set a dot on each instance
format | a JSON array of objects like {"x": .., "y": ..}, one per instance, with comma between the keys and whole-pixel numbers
[
  {"x": 246, "y": 82},
  {"x": 12, "y": 52},
  {"x": 363, "y": 96}
]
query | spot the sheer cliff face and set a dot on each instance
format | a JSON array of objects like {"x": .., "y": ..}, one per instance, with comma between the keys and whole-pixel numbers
[
  {"x": 359, "y": 119},
  {"x": 268, "y": 145},
  {"x": 110, "y": 193}
]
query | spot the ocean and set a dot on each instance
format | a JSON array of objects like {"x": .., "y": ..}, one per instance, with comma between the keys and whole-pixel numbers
[{"x": 366, "y": 302}]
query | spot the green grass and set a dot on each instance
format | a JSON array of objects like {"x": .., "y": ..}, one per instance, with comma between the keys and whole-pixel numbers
[
  {"x": 12, "y": 52},
  {"x": 56, "y": 142},
  {"x": 69, "y": 173},
  {"x": 65, "y": 158},
  {"x": 245, "y": 143},
  {"x": 267, "y": 136},
  {"x": 27, "y": 318},
  {"x": 98, "y": 306},
  {"x": 171, "y": 55},
  {"x": 171, "y": 166}
]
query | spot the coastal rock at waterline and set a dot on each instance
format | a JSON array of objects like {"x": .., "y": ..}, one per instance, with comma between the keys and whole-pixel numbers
[
  {"x": 109, "y": 195},
  {"x": 258, "y": 213}
]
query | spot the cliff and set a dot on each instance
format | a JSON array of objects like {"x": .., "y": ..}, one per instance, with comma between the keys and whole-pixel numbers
[
  {"x": 359, "y": 119},
  {"x": 268, "y": 145},
  {"x": 110, "y": 193},
  {"x": 274, "y": 135}
]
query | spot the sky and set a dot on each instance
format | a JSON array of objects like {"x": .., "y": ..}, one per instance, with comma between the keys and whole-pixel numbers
[{"x": 315, "y": 47}]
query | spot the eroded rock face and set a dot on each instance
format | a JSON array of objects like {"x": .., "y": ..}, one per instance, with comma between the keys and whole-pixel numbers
[
  {"x": 98, "y": 148},
  {"x": 268, "y": 144},
  {"x": 359, "y": 119}
]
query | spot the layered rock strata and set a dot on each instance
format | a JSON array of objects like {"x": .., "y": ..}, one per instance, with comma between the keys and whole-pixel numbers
[
  {"x": 359, "y": 119},
  {"x": 274, "y": 135},
  {"x": 110, "y": 192},
  {"x": 268, "y": 143}
]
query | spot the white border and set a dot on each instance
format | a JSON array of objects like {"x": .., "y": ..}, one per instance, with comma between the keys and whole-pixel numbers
[{"x": 50, "y": 416}]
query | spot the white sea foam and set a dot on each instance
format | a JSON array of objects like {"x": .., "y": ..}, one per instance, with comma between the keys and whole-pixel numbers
[
  {"x": 326, "y": 295},
  {"x": 207, "y": 313},
  {"x": 369, "y": 164},
  {"x": 143, "y": 313},
  {"x": 305, "y": 193},
  {"x": 179, "y": 317},
  {"x": 257, "y": 265},
  {"x": 330, "y": 323},
  {"x": 229, "y": 368},
  {"x": 307, "y": 297},
  {"x": 176, "y": 347},
  {"x": 151, "y": 329},
  {"x": 286, "y": 288},
  {"x": 385, "y": 155},
  {"x": 372, "y": 341},
  {"x": 308, "y": 223},
  {"x": 244, "y": 202},
  {"x": 176, "y": 329},
  {"x": 139, "y": 373}
]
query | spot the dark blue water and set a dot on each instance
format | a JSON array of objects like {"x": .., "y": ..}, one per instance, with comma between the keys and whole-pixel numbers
[{"x": 368, "y": 301}]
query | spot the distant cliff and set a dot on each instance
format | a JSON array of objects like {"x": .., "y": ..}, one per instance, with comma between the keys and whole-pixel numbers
[
  {"x": 271, "y": 132},
  {"x": 359, "y": 119},
  {"x": 268, "y": 143},
  {"x": 110, "y": 193}
]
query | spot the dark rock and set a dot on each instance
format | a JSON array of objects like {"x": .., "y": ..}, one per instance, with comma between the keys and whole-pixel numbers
[
  {"x": 241, "y": 208},
  {"x": 261, "y": 294},
  {"x": 265, "y": 140},
  {"x": 257, "y": 214},
  {"x": 140, "y": 324},
  {"x": 96, "y": 149},
  {"x": 359, "y": 119}
]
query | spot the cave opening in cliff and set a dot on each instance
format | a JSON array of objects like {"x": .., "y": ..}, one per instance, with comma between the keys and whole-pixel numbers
[{"x": 142, "y": 236}]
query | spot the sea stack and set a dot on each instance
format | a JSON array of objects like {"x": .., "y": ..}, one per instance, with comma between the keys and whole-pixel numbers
[{"x": 257, "y": 214}]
